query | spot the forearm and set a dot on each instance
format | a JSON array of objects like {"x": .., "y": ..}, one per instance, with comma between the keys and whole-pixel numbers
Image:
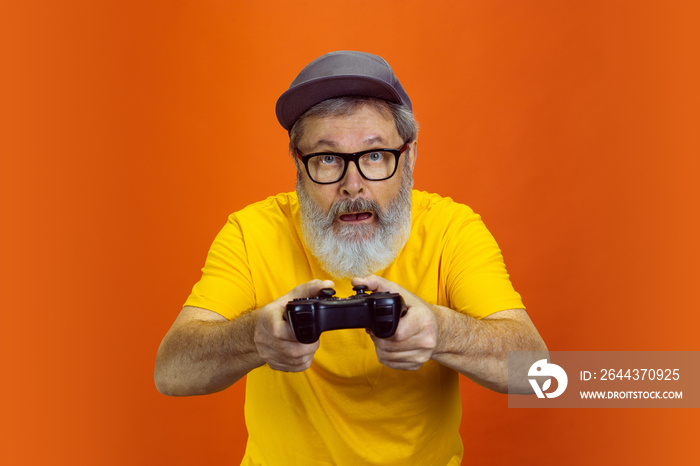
[
  {"x": 478, "y": 349},
  {"x": 199, "y": 357}
]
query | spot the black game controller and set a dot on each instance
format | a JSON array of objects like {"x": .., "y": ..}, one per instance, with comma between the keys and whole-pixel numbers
[{"x": 379, "y": 312}]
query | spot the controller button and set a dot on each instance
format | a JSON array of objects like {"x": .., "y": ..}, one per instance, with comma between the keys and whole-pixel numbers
[
  {"x": 305, "y": 316},
  {"x": 384, "y": 310}
]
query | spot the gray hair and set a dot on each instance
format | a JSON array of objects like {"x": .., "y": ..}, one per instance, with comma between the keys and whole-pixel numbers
[{"x": 406, "y": 124}]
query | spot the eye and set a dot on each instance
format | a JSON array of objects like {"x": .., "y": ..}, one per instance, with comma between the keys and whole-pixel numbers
[
  {"x": 375, "y": 156},
  {"x": 329, "y": 159}
]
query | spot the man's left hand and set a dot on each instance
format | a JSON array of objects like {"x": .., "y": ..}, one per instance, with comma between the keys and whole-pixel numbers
[{"x": 416, "y": 337}]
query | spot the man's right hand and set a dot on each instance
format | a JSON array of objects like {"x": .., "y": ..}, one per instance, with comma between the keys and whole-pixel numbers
[{"x": 274, "y": 339}]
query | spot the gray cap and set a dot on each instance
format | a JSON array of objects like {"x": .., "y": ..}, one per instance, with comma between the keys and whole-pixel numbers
[{"x": 338, "y": 74}]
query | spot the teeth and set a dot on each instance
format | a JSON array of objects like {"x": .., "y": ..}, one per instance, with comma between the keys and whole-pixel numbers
[{"x": 356, "y": 216}]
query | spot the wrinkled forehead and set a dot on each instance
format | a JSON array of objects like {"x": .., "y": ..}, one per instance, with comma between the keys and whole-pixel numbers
[
  {"x": 338, "y": 107},
  {"x": 363, "y": 127}
]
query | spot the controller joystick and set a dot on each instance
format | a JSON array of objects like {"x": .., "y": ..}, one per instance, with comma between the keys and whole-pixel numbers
[
  {"x": 359, "y": 289},
  {"x": 379, "y": 312}
]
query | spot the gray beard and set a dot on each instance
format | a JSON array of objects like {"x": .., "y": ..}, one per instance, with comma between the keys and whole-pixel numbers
[{"x": 346, "y": 250}]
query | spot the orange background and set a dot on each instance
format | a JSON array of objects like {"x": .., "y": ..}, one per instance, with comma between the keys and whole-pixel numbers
[{"x": 131, "y": 129}]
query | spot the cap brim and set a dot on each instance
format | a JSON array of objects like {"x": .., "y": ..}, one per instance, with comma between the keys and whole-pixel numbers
[{"x": 297, "y": 100}]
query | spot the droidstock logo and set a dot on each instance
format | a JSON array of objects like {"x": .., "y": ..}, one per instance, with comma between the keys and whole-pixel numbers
[{"x": 544, "y": 369}]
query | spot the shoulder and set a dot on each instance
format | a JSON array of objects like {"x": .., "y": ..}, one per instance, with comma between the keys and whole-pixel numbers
[
  {"x": 282, "y": 207},
  {"x": 435, "y": 208},
  {"x": 444, "y": 220},
  {"x": 282, "y": 203},
  {"x": 275, "y": 215}
]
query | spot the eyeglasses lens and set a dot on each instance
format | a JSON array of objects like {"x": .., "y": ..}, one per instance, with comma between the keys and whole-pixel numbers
[{"x": 328, "y": 168}]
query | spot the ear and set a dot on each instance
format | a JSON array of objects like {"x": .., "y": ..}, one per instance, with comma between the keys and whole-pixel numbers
[{"x": 412, "y": 154}]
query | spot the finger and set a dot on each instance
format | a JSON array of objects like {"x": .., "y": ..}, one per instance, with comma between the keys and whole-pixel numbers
[
  {"x": 412, "y": 324},
  {"x": 407, "y": 360},
  {"x": 403, "y": 366},
  {"x": 274, "y": 325},
  {"x": 289, "y": 365},
  {"x": 293, "y": 351},
  {"x": 309, "y": 289},
  {"x": 284, "y": 332},
  {"x": 405, "y": 331},
  {"x": 375, "y": 283},
  {"x": 305, "y": 290},
  {"x": 407, "y": 339},
  {"x": 296, "y": 355},
  {"x": 286, "y": 354},
  {"x": 372, "y": 282},
  {"x": 395, "y": 345}
]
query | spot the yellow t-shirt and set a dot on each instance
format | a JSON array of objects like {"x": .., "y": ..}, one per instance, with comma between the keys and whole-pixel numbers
[{"x": 347, "y": 408}]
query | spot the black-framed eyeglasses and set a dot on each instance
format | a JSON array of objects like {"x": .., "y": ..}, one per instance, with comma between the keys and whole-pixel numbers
[{"x": 373, "y": 164}]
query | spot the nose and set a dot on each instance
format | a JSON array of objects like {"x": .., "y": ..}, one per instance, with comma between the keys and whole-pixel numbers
[{"x": 352, "y": 183}]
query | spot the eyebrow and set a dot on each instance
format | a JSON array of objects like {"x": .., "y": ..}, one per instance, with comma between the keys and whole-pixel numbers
[{"x": 334, "y": 145}]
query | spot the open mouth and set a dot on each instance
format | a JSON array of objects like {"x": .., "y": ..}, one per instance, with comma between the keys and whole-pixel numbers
[{"x": 355, "y": 216}]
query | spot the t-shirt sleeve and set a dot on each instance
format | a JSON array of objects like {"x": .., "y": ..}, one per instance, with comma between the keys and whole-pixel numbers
[
  {"x": 477, "y": 282},
  {"x": 226, "y": 285}
]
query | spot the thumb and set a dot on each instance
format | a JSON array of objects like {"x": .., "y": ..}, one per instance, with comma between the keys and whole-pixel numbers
[{"x": 309, "y": 289}]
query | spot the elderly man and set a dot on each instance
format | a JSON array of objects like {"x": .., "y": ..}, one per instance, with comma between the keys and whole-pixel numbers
[{"x": 351, "y": 397}]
